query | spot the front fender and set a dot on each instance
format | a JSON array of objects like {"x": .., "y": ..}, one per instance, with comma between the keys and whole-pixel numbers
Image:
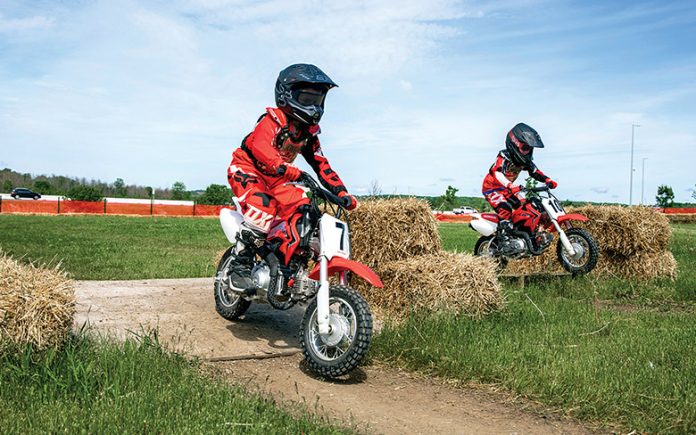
[
  {"x": 340, "y": 264},
  {"x": 572, "y": 217}
]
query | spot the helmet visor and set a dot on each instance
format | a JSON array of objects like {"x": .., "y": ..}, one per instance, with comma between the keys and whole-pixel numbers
[{"x": 309, "y": 97}]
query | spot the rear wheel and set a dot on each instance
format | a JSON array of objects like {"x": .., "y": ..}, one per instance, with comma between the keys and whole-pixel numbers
[
  {"x": 586, "y": 252},
  {"x": 229, "y": 304},
  {"x": 486, "y": 246},
  {"x": 339, "y": 352}
]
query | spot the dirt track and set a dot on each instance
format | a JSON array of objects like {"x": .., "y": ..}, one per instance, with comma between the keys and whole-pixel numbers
[{"x": 380, "y": 400}]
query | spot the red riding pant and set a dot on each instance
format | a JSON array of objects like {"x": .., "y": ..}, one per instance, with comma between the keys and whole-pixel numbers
[{"x": 262, "y": 197}]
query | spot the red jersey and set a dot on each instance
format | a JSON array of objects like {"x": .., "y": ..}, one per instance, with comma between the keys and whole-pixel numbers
[
  {"x": 275, "y": 142},
  {"x": 504, "y": 172}
]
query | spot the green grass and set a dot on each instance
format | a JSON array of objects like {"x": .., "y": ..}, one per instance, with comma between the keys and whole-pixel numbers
[
  {"x": 116, "y": 247},
  {"x": 132, "y": 387},
  {"x": 604, "y": 350}
]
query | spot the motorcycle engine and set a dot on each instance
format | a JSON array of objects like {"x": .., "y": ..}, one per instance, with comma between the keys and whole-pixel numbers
[
  {"x": 261, "y": 276},
  {"x": 513, "y": 246},
  {"x": 304, "y": 287}
]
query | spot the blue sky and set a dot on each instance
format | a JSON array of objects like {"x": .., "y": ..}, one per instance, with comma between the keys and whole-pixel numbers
[{"x": 161, "y": 91}]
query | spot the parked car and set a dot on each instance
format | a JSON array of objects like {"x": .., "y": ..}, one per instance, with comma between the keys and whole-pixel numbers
[
  {"x": 21, "y": 192},
  {"x": 465, "y": 210}
]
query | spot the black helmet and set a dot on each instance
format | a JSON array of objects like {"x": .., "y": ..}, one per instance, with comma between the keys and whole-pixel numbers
[
  {"x": 520, "y": 143},
  {"x": 300, "y": 91}
]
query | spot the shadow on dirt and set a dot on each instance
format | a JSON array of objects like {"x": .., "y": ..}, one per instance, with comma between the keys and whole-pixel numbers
[{"x": 279, "y": 329}]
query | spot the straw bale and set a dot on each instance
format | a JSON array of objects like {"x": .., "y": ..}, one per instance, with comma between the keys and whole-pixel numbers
[
  {"x": 627, "y": 230},
  {"x": 641, "y": 266},
  {"x": 36, "y": 305},
  {"x": 458, "y": 283},
  {"x": 385, "y": 230},
  {"x": 546, "y": 263}
]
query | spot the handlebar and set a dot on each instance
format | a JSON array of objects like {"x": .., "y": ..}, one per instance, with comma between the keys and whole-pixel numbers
[
  {"x": 535, "y": 189},
  {"x": 309, "y": 181}
]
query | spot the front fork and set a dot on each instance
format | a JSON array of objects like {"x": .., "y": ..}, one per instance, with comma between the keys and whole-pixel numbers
[
  {"x": 564, "y": 239},
  {"x": 323, "y": 296}
]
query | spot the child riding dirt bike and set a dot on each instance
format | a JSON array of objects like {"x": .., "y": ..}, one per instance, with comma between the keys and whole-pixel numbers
[
  {"x": 499, "y": 186},
  {"x": 262, "y": 171}
]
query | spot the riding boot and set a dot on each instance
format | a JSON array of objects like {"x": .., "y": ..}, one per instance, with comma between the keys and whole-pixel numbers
[{"x": 240, "y": 268}]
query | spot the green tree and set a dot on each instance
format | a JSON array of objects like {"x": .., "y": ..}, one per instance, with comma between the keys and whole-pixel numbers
[
  {"x": 215, "y": 194},
  {"x": 85, "y": 193},
  {"x": 119, "y": 188},
  {"x": 530, "y": 183},
  {"x": 43, "y": 187},
  {"x": 693, "y": 194},
  {"x": 7, "y": 186},
  {"x": 179, "y": 191},
  {"x": 449, "y": 199},
  {"x": 150, "y": 191},
  {"x": 665, "y": 196}
]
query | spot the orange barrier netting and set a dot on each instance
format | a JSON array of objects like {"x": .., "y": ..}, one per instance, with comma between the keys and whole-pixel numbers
[
  {"x": 172, "y": 210},
  {"x": 122, "y": 208},
  {"x": 25, "y": 206},
  {"x": 452, "y": 218},
  {"x": 88, "y": 207},
  {"x": 105, "y": 207},
  {"x": 679, "y": 210},
  {"x": 210, "y": 210}
]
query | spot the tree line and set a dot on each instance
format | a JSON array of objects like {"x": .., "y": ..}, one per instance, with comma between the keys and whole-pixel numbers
[{"x": 83, "y": 189}]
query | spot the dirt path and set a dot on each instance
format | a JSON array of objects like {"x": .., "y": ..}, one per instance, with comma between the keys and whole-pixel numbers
[{"x": 380, "y": 400}]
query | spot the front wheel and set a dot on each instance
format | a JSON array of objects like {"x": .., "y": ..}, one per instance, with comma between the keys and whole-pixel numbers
[
  {"x": 586, "y": 252},
  {"x": 228, "y": 304},
  {"x": 339, "y": 352}
]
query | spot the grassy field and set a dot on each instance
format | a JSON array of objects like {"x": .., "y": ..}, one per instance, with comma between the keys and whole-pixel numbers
[
  {"x": 132, "y": 387},
  {"x": 116, "y": 247},
  {"x": 610, "y": 351}
]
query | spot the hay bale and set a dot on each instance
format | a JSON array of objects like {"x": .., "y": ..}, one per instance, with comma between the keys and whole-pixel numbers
[
  {"x": 458, "y": 283},
  {"x": 627, "y": 230},
  {"x": 386, "y": 230},
  {"x": 641, "y": 266},
  {"x": 546, "y": 263},
  {"x": 36, "y": 305}
]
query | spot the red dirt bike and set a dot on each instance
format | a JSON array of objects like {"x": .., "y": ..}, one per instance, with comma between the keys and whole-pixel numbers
[
  {"x": 577, "y": 250},
  {"x": 336, "y": 329}
]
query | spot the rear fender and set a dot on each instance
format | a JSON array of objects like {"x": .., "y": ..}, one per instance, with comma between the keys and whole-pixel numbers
[
  {"x": 483, "y": 226},
  {"x": 340, "y": 264}
]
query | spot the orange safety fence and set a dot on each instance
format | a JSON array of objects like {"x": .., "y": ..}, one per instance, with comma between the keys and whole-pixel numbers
[
  {"x": 458, "y": 218},
  {"x": 210, "y": 210},
  {"x": 106, "y": 207},
  {"x": 26, "y": 206},
  {"x": 679, "y": 210},
  {"x": 87, "y": 207},
  {"x": 125, "y": 208}
]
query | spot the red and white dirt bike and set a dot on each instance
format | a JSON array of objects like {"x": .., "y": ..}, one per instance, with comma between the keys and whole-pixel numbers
[
  {"x": 336, "y": 329},
  {"x": 576, "y": 250}
]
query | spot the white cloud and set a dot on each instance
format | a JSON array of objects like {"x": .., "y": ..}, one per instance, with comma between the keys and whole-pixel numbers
[{"x": 12, "y": 25}]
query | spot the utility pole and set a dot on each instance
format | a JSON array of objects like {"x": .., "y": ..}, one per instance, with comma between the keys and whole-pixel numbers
[
  {"x": 630, "y": 189},
  {"x": 642, "y": 182}
]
